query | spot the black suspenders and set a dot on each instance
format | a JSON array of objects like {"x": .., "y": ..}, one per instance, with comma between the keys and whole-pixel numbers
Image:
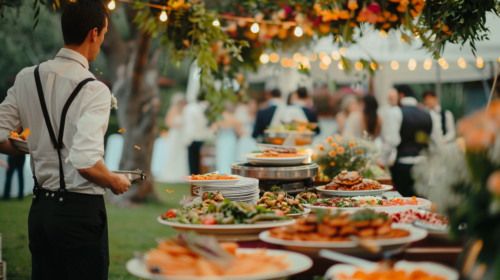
[{"x": 58, "y": 143}]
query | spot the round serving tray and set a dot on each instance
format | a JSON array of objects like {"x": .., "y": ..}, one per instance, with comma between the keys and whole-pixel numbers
[{"x": 283, "y": 173}]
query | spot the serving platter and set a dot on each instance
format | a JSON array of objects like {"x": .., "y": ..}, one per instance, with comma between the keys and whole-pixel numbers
[
  {"x": 434, "y": 269},
  {"x": 283, "y": 161},
  {"x": 354, "y": 193},
  {"x": 20, "y": 144},
  {"x": 232, "y": 232},
  {"x": 298, "y": 264},
  {"x": 212, "y": 182},
  {"x": 348, "y": 247},
  {"x": 426, "y": 204}
]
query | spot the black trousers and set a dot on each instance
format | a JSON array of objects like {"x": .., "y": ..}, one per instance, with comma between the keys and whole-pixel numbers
[
  {"x": 194, "y": 151},
  {"x": 68, "y": 241},
  {"x": 402, "y": 179},
  {"x": 15, "y": 163}
]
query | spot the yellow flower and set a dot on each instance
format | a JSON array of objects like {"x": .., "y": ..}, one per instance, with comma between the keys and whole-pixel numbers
[
  {"x": 359, "y": 151},
  {"x": 332, "y": 163},
  {"x": 340, "y": 150},
  {"x": 352, "y": 144},
  {"x": 332, "y": 153},
  {"x": 335, "y": 145}
]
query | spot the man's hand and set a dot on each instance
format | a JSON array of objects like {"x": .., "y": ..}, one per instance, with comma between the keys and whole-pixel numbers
[{"x": 121, "y": 185}]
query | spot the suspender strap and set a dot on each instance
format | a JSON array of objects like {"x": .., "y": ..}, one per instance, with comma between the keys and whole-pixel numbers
[{"x": 58, "y": 144}]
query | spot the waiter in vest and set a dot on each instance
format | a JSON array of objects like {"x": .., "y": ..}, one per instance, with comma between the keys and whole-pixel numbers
[
  {"x": 409, "y": 130},
  {"x": 445, "y": 116},
  {"x": 67, "y": 112}
]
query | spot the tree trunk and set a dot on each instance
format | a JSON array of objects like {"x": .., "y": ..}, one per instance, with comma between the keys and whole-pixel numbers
[{"x": 134, "y": 78}]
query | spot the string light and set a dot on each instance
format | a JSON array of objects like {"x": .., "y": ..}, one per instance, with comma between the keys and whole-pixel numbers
[
  {"x": 112, "y": 5},
  {"x": 284, "y": 62},
  {"x": 326, "y": 60},
  {"x": 383, "y": 34},
  {"x": 255, "y": 28},
  {"x": 480, "y": 62},
  {"x": 412, "y": 64},
  {"x": 394, "y": 65},
  {"x": 321, "y": 55},
  {"x": 274, "y": 57},
  {"x": 358, "y": 65},
  {"x": 373, "y": 65},
  {"x": 314, "y": 56},
  {"x": 441, "y": 61},
  {"x": 292, "y": 63},
  {"x": 445, "y": 65},
  {"x": 264, "y": 58},
  {"x": 427, "y": 64},
  {"x": 298, "y": 31},
  {"x": 163, "y": 16},
  {"x": 341, "y": 65},
  {"x": 297, "y": 57},
  {"x": 216, "y": 22},
  {"x": 461, "y": 63},
  {"x": 323, "y": 66},
  {"x": 342, "y": 51},
  {"x": 305, "y": 62},
  {"x": 335, "y": 55}
]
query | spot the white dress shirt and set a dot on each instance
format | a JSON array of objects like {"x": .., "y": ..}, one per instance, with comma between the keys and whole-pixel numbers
[
  {"x": 195, "y": 122},
  {"x": 449, "y": 123},
  {"x": 391, "y": 133},
  {"x": 86, "y": 121}
]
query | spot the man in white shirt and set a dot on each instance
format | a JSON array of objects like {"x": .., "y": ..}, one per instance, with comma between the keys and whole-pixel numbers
[
  {"x": 445, "y": 117},
  {"x": 67, "y": 112},
  {"x": 409, "y": 130},
  {"x": 195, "y": 132}
]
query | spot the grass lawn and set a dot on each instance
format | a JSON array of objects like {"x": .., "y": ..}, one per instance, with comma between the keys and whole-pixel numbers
[{"x": 129, "y": 230}]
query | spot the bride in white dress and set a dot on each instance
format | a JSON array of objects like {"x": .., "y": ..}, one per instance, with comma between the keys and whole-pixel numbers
[{"x": 177, "y": 162}]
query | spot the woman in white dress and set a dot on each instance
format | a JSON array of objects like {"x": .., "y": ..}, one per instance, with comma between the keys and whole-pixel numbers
[{"x": 177, "y": 161}]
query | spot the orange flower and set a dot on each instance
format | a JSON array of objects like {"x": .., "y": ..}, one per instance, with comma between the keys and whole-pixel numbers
[
  {"x": 332, "y": 163},
  {"x": 494, "y": 183},
  {"x": 359, "y": 151},
  {"x": 330, "y": 139},
  {"x": 352, "y": 144},
  {"x": 352, "y": 5},
  {"x": 340, "y": 150},
  {"x": 320, "y": 147},
  {"x": 325, "y": 141},
  {"x": 313, "y": 157},
  {"x": 386, "y": 25},
  {"x": 335, "y": 145},
  {"x": 332, "y": 153},
  {"x": 478, "y": 139}
]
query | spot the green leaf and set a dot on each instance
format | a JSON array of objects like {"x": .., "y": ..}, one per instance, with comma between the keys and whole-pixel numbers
[{"x": 211, "y": 61}]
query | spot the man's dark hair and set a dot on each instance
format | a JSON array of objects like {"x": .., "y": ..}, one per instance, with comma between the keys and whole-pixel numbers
[
  {"x": 302, "y": 92},
  {"x": 406, "y": 90},
  {"x": 276, "y": 93},
  {"x": 81, "y": 16},
  {"x": 429, "y": 92}
]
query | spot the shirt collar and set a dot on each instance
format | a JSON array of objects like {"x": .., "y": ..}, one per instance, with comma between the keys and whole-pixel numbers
[
  {"x": 71, "y": 54},
  {"x": 300, "y": 103},
  {"x": 275, "y": 101},
  {"x": 409, "y": 101}
]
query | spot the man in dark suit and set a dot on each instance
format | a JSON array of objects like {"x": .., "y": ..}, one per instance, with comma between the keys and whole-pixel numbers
[
  {"x": 265, "y": 116},
  {"x": 311, "y": 115}
]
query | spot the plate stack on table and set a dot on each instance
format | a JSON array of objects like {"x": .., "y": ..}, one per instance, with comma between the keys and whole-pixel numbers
[{"x": 245, "y": 190}]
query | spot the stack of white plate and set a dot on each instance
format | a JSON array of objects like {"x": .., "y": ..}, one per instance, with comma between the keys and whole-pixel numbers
[{"x": 245, "y": 190}]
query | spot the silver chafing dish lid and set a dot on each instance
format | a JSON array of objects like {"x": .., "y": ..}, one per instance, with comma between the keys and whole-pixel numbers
[{"x": 283, "y": 173}]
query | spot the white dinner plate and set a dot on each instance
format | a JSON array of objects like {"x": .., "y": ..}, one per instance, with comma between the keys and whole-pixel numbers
[
  {"x": 348, "y": 247},
  {"x": 298, "y": 263},
  {"x": 20, "y": 144},
  {"x": 238, "y": 232},
  {"x": 388, "y": 209},
  {"x": 433, "y": 269},
  {"x": 253, "y": 159},
  {"x": 354, "y": 193},
  {"x": 213, "y": 182}
]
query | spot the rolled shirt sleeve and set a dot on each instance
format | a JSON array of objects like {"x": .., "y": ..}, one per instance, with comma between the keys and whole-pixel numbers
[
  {"x": 9, "y": 114},
  {"x": 88, "y": 142},
  {"x": 391, "y": 133}
]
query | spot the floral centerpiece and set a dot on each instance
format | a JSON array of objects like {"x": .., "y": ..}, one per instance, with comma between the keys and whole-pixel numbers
[
  {"x": 464, "y": 181},
  {"x": 336, "y": 154}
]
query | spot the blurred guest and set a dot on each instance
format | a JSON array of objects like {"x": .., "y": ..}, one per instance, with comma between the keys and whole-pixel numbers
[
  {"x": 245, "y": 114},
  {"x": 393, "y": 97},
  {"x": 299, "y": 110},
  {"x": 292, "y": 98},
  {"x": 270, "y": 115},
  {"x": 409, "y": 130},
  {"x": 195, "y": 132},
  {"x": 14, "y": 163},
  {"x": 365, "y": 120},
  {"x": 446, "y": 117},
  {"x": 177, "y": 162},
  {"x": 225, "y": 144},
  {"x": 348, "y": 105}
]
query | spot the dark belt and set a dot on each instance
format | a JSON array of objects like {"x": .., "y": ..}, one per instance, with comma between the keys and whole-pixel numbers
[{"x": 57, "y": 195}]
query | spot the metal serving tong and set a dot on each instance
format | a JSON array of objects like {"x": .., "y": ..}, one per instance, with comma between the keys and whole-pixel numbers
[{"x": 135, "y": 176}]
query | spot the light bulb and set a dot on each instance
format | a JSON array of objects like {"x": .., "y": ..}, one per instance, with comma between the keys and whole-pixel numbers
[
  {"x": 326, "y": 60},
  {"x": 284, "y": 62},
  {"x": 480, "y": 62},
  {"x": 335, "y": 55},
  {"x": 298, "y": 31},
  {"x": 163, "y": 16},
  {"x": 462, "y": 63},
  {"x": 358, "y": 65},
  {"x": 427, "y": 64},
  {"x": 264, "y": 58},
  {"x": 342, "y": 51},
  {"x": 255, "y": 28},
  {"x": 216, "y": 23},
  {"x": 412, "y": 64},
  {"x": 373, "y": 65},
  {"x": 341, "y": 65},
  {"x": 323, "y": 65},
  {"x": 297, "y": 57},
  {"x": 112, "y": 5},
  {"x": 274, "y": 57},
  {"x": 441, "y": 61},
  {"x": 394, "y": 65}
]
